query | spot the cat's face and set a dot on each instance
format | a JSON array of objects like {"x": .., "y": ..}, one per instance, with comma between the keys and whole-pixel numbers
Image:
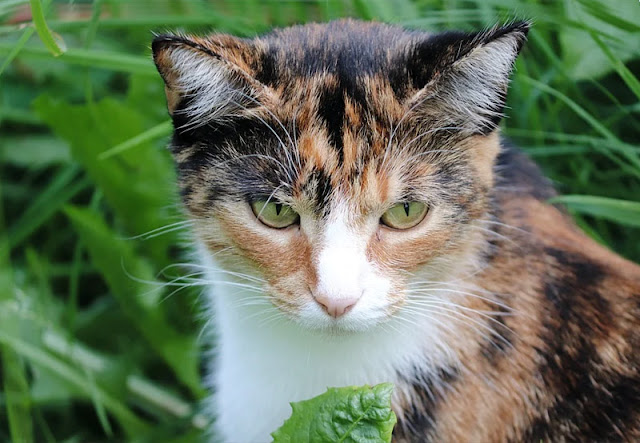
[{"x": 338, "y": 164}]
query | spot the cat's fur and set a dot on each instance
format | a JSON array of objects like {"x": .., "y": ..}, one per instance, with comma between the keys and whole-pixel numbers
[{"x": 496, "y": 318}]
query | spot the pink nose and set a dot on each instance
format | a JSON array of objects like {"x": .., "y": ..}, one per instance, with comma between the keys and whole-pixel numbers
[{"x": 336, "y": 307}]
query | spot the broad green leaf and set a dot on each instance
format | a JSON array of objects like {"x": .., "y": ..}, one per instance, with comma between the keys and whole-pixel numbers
[
  {"x": 126, "y": 273},
  {"x": 350, "y": 414},
  {"x": 138, "y": 183},
  {"x": 619, "y": 211}
]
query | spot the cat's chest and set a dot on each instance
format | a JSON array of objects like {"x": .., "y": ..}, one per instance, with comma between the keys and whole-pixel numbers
[{"x": 260, "y": 367}]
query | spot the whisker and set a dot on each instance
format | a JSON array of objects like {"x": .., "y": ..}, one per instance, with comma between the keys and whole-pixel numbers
[
  {"x": 268, "y": 200},
  {"x": 496, "y": 234},
  {"x": 460, "y": 316},
  {"x": 484, "y": 314},
  {"x": 497, "y": 223},
  {"x": 430, "y": 291},
  {"x": 161, "y": 230},
  {"x": 204, "y": 269}
]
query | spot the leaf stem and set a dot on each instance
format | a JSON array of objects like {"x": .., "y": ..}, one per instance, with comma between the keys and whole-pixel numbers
[{"x": 37, "y": 14}]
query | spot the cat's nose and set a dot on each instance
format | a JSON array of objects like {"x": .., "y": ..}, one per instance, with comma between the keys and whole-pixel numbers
[{"x": 336, "y": 307}]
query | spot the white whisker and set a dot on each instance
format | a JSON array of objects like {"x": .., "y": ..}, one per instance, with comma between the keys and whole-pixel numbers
[{"x": 161, "y": 230}]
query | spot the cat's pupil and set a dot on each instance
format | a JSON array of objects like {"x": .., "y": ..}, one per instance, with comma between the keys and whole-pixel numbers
[
  {"x": 406, "y": 209},
  {"x": 278, "y": 208}
]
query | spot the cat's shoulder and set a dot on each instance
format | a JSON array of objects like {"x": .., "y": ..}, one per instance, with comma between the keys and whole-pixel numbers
[{"x": 516, "y": 172}]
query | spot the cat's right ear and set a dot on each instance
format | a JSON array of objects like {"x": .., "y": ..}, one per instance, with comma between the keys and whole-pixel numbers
[
  {"x": 463, "y": 78},
  {"x": 207, "y": 78}
]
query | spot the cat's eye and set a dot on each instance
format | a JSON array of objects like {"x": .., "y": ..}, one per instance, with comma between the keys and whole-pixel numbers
[
  {"x": 273, "y": 214},
  {"x": 404, "y": 215}
]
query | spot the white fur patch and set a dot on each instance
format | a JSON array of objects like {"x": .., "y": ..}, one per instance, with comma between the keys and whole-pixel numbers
[
  {"x": 261, "y": 367},
  {"x": 475, "y": 85},
  {"x": 344, "y": 272},
  {"x": 207, "y": 80},
  {"x": 481, "y": 79}
]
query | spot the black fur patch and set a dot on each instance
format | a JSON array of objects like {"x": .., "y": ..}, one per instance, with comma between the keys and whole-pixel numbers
[
  {"x": 320, "y": 188},
  {"x": 500, "y": 334},
  {"x": 593, "y": 410},
  {"x": 331, "y": 108},
  {"x": 430, "y": 389},
  {"x": 515, "y": 170},
  {"x": 586, "y": 407}
]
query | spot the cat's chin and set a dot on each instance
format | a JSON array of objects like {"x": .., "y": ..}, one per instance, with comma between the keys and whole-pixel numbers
[{"x": 340, "y": 327}]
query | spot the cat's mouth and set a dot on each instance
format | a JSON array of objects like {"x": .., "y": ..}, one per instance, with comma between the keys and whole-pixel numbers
[
  {"x": 320, "y": 319},
  {"x": 321, "y": 312}
]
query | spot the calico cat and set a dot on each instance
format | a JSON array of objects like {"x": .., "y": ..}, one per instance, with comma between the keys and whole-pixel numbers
[{"x": 361, "y": 221}]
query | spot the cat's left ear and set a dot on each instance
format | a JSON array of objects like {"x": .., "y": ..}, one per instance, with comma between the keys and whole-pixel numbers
[
  {"x": 207, "y": 78},
  {"x": 462, "y": 78}
]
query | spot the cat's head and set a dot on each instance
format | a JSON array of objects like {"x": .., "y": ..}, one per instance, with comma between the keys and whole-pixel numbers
[{"x": 336, "y": 162}]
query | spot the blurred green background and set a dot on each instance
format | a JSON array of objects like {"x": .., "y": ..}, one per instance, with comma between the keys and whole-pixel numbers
[{"x": 100, "y": 328}]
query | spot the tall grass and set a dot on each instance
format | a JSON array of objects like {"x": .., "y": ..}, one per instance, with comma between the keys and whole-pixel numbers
[{"x": 96, "y": 342}]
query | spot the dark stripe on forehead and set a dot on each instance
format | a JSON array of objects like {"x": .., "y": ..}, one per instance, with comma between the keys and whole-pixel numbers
[
  {"x": 331, "y": 109},
  {"x": 318, "y": 189}
]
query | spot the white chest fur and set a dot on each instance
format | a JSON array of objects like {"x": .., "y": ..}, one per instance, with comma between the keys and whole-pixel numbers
[{"x": 260, "y": 366}]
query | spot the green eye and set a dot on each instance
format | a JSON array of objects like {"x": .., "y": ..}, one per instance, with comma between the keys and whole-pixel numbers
[
  {"x": 273, "y": 214},
  {"x": 404, "y": 215}
]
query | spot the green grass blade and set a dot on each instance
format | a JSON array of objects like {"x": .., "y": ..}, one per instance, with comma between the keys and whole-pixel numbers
[
  {"x": 600, "y": 11},
  {"x": 619, "y": 211},
  {"x": 98, "y": 405},
  {"x": 16, "y": 392},
  {"x": 19, "y": 116},
  {"x": 24, "y": 38},
  {"x": 113, "y": 61},
  {"x": 569, "y": 138},
  {"x": 14, "y": 380},
  {"x": 164, "y": 129},
  {"x": 595, "y": 124},
  {"x": 146, "y": 393},
  {"x": 44, "y": 32},
  {"x": 132, "y": 424},
  {"x": 59, "y": 192},
  {"x": 629, "y": 154},
  {"x": 237, "y": 25},
  {"x": 385, "y": 10},
  {"x": 624, "y": 72}
]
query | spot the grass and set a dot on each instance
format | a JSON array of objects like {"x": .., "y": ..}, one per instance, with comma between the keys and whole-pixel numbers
[{"x": 96, "y": 344}]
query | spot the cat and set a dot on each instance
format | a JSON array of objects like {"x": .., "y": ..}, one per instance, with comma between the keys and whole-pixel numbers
[{"x": 361, "y": 221}]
